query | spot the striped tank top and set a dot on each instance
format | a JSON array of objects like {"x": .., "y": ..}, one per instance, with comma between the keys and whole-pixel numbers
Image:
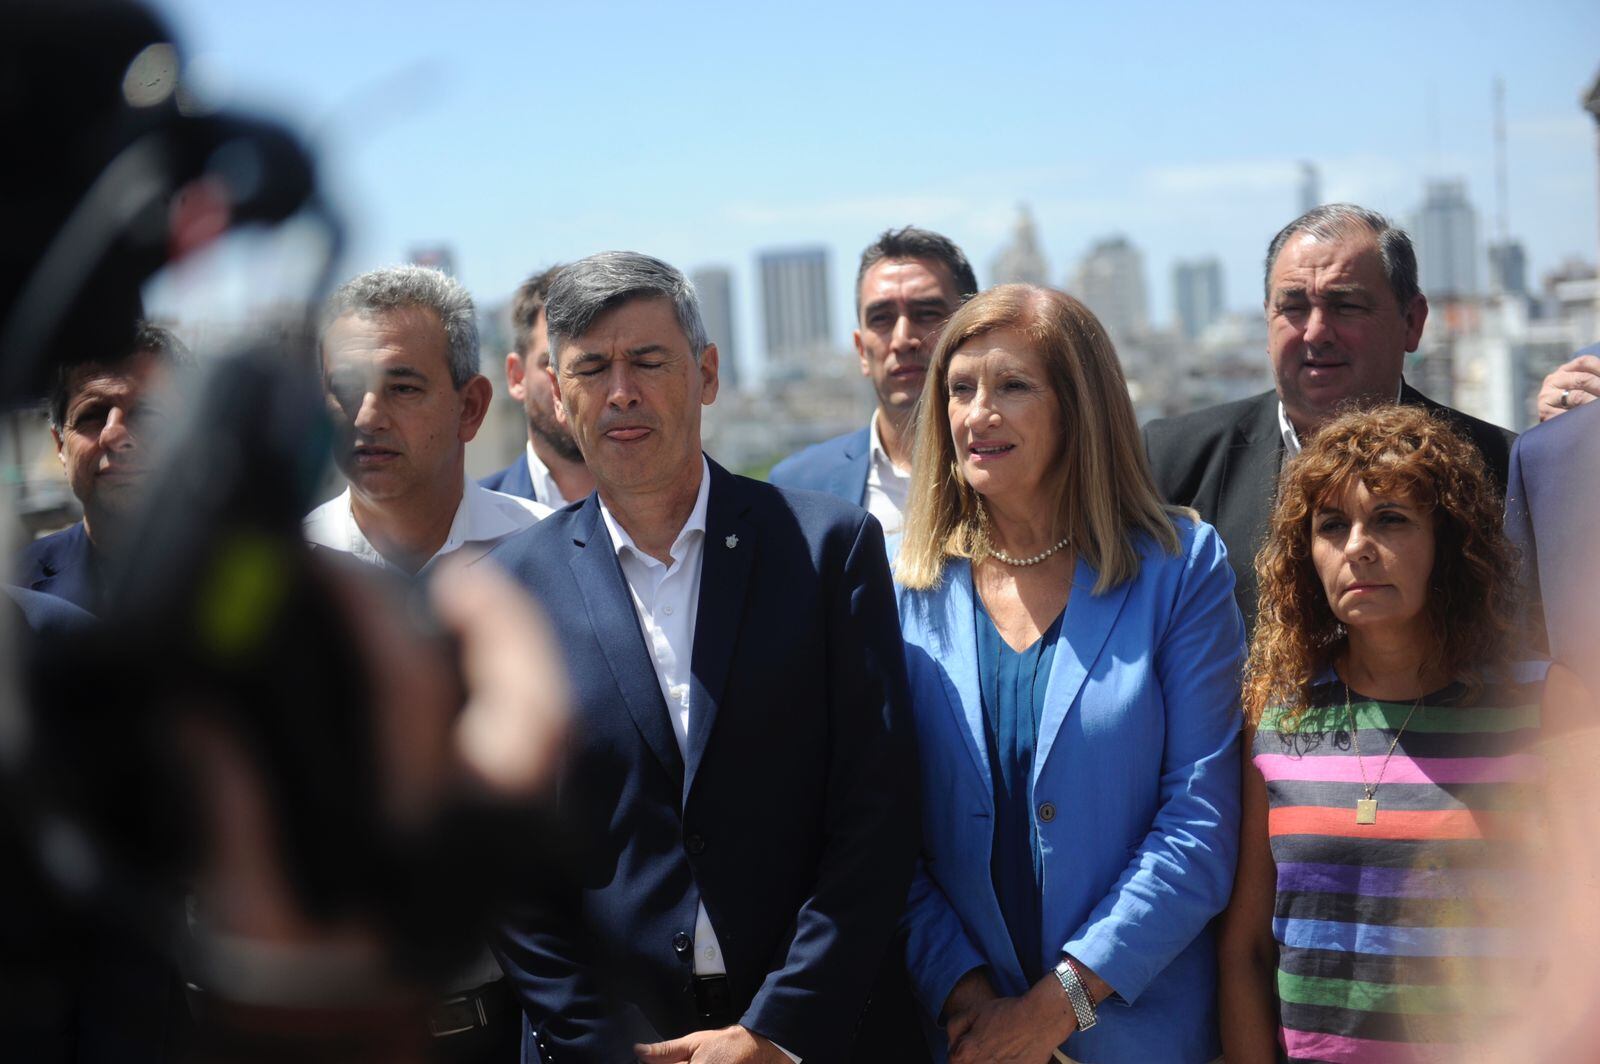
[{"x": 1388, "y": 932}]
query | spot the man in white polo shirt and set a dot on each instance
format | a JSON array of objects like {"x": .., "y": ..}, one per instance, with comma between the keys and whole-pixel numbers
[{"x": 400, "y": 369}]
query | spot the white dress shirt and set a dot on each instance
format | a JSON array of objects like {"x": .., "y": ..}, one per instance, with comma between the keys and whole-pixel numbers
[
  {"x": 545, "y": 488},
  {"x": 667, "y": 601},
  {"x": 1291, "y": 439},
  {"x": 482, "y": 519},
  {"x": 888, "y": 488}
]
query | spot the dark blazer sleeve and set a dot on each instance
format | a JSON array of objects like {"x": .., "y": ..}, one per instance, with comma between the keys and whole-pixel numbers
[{"x": 811, "y": 1001}]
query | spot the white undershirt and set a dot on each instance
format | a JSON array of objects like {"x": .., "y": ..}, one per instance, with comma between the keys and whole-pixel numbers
[
  {"x": 545, "y": 488},
  {"x": 887, "y": 487}
]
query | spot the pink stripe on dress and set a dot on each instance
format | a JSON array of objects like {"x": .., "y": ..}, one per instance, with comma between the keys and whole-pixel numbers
[
  {"x": 1311, "y": 1045},
  {"x": 1512, "y": 768}
]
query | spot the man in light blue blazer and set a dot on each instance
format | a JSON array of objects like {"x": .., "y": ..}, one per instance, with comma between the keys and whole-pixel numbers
[{"x": 908, "y": 284}]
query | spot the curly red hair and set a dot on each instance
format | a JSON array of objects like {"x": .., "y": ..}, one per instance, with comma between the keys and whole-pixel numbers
[{"x": 1399, "y": 451}]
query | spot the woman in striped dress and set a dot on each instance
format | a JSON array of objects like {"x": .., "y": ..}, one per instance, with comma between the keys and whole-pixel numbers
[{"x": 1390, "y": 757}]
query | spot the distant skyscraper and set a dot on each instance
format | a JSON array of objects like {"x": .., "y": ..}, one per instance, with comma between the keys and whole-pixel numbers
[
  {"x": 1508, "y": 268},
  {"x": 1446, "y": 232},
  {"x": 1310, "y": 187},
  {"x": 440, "y": 257},
  {"x": 1110, "y": 280},
  {"x": 794, "y": 305},
  {"x": 1021, "y": 261},
  {"x": 714, "y": 284},
  {"x": 1197, "y": 293}
]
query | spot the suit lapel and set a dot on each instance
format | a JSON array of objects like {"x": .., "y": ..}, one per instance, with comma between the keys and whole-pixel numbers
[
  {"x": 730, "y": 549},
  {"x": 1085, "y": 628},
  {"x": 1250, "y": 482},
  {"x": 958, "y": 637},
  {"x": 849, "y": 481},
  {"x": 604, "y": 594},
  {"x": 520, "y": 482}
]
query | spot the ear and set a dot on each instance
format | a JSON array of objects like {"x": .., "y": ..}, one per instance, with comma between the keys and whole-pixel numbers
[
  {"x": 515, "y": 370},
  {"x": 861, "y": 353},
  {"x": 475, "y": 396},
  {"x": 555, "y": 386},
  {"x": 708, "y": 375},
  {"x": 61, "y": 449},
  {"x": 1416, "y": 316}
]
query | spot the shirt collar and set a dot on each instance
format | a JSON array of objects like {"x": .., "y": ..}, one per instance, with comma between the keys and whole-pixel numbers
[
  {"x": 478, "y": 519},
  {"x": 1291, "y": 439},
  {"x": 544, "y": 485},
  {"x": 696, "y": 522},
  {"x": 875, "y": 452}
]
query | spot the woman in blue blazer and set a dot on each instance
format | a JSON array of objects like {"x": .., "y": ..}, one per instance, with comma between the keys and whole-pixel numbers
[{"x": 1074, "y": 652}]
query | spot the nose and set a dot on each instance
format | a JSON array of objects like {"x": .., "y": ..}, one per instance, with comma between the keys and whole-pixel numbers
[
  {"x": 117, "y": 433},
  {"x": 903, "y": 338},
  {"x": 622, "y": 391},
  {"x": 370, "y": 416},
  {"x": 1318, "y": 328},
  {"x": 1359, "y": 546},
  {"x": 981, "y": 412}
]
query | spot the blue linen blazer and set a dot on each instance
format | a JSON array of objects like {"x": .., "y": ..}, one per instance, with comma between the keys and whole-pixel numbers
[
  {"x": 837, "y": 467},
  {"x": 61, "y": 564},
  {"x": 1138, "y": 762},
  {"x": 514, "y": 479},
  {"x": 792, "y": 817}
]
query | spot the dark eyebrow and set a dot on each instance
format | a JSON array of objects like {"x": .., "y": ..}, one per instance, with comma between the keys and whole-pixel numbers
[
  {"x": 403, "y": 373},
  {"x": 647, "y": 349}
]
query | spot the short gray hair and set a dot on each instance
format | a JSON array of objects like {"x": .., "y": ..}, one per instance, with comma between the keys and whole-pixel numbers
[
  {"x": 585, "y": 289},
  {"x": 1334, "y": 220},
  {"x": 398, "y": 287}
]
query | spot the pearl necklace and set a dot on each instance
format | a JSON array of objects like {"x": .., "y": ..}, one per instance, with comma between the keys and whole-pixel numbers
[{"x": 1000, "y": 555}]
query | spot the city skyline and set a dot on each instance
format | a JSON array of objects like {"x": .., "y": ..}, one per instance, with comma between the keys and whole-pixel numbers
[{"x": 488, "y": 128}]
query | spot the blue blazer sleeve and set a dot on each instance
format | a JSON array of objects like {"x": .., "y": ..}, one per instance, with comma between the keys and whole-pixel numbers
[
  {"x": 1181, "y": 875},
  {"x": 938, "y": 951}
]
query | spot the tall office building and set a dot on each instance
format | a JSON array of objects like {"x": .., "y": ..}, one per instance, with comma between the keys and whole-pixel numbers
[
  {"x": 794, "y": 306},
  {"x": 1021, "y": 261},
  {"x": 1446, "y": 233},
  {"x": 1110, "y": 281},
  {"x": 1197, "y": 294},
  {"x": 1310, "y": 187},
  {"x": 1508, "y": 268},
  {"x": 714, "y": 285}
]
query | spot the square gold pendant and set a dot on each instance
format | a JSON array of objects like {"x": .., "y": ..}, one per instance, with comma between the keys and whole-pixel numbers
[{"x": 1366, "y": 810}]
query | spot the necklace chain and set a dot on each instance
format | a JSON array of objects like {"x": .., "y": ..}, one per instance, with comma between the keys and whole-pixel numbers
[{"x": 1355, "y": 738}]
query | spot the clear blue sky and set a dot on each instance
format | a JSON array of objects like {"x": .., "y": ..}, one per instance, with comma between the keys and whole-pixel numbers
[{"x": 523, "y": 134}]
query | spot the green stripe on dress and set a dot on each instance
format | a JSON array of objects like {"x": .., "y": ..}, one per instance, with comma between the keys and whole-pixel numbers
[
  {"x": 1396, "y": 998},
  {"x": 1390, "y": 716}
]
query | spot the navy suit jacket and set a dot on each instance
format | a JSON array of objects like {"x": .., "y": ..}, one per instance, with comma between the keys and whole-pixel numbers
[
  {"x": 1553, "y": 515},
  {"x": 794, "y": 816},
  {"x": 837, "y": 467},
  {"x": 62, "y": 564},
  {"x": 514, "y": 479},
  {"x": 1224, "y": 462}
]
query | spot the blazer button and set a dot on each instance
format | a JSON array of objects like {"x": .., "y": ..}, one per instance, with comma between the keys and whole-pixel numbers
[
  {"x": 1047, "y": 812},
  {"x": 681, "y": 943},
  {"x": 695, "y": 845}
]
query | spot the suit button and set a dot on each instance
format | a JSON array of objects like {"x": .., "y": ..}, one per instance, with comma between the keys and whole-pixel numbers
[
  {"x": 1047, "y": 811},
  {"x": 695, "y": 845},
  {"x": 681, "y": 943}
]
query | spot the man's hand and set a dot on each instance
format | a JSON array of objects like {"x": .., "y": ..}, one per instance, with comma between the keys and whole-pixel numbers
[
  {"x": 1569, "y": 384},
  {"x": 730, "y": 1045},
  {"x": 961, "y": 1007},
  {"x": 1021, "y": 1030}
]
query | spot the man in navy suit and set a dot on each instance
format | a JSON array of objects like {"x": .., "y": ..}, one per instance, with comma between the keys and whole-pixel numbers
[
  {"x": 95, "y": 410},
  {"x": 551, "y": 469},
  {"x": 1553, "y": 515},
  {"x": 909, "y": 282},
  {"x": 743, "y": 777}
]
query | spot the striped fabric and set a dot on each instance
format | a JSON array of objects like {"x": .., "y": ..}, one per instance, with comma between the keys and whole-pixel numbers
[{"x": 1388, "y": 932}]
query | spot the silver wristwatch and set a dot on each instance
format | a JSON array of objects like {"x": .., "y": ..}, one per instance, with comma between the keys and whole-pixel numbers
[{"x": 1077, "y": 994}]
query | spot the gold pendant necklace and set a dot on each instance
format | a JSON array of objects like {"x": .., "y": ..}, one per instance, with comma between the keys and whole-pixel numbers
[{"x": 1367, "y": 807}]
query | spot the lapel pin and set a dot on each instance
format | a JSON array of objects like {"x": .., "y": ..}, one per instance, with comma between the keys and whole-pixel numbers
[{"x": 732, "y": 542}]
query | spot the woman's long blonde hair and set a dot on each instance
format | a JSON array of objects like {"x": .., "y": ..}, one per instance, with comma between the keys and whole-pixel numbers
[{"x": 1103, "y": 493}]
